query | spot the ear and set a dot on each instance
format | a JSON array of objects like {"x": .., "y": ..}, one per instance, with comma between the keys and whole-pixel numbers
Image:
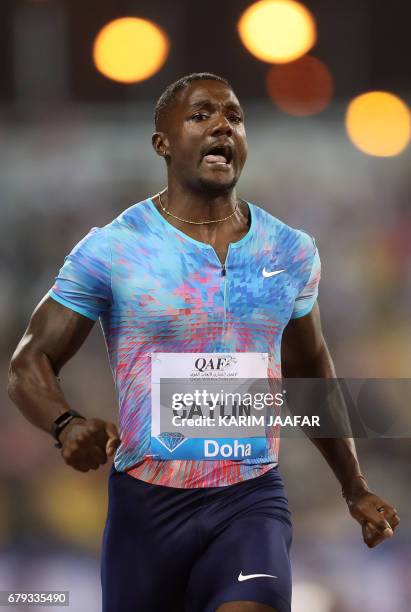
[{"x": 160, "y": 144}]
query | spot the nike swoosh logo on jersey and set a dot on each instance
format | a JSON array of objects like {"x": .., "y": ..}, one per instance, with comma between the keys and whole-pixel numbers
[
  {"x": 268, "y": 274},
  {"x": 242, "y": 576}
]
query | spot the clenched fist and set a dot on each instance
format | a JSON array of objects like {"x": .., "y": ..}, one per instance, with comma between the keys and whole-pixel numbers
[
  {"x": 377, "y": 517},
  {"x": 87, "y": 443}
]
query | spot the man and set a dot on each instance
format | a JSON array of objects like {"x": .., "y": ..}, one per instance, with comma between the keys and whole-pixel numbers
[{"x": 192, "y": 271}]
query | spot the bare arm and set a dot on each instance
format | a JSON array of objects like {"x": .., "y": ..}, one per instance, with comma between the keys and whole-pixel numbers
[
  {"x": 55, "y": 333},
  {"x": 304, "y": 354}
]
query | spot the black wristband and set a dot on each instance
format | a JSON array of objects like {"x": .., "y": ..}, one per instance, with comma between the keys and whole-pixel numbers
[{"x": 61, "y": 422}]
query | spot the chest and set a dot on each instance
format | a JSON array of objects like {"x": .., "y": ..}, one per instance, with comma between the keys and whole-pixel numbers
[
  {"x": 219, "y": 240},
  {"x": 172, "y": 285}
]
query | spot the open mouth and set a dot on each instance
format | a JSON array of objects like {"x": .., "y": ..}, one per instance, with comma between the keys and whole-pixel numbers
[{"x": 221, "y": 154}]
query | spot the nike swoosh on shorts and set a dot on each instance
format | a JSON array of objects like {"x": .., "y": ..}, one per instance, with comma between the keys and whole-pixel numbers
[{"x": 243, "y": 577}]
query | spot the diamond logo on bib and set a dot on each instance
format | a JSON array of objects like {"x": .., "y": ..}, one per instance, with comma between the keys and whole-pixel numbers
[{"x": 171, "y": 439}]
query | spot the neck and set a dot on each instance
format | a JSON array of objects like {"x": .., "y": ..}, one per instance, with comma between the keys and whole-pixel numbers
[{"x": 197, "y": 205}]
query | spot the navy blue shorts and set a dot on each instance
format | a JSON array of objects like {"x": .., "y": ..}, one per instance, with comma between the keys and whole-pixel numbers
[{"x": 190, "y": 550}]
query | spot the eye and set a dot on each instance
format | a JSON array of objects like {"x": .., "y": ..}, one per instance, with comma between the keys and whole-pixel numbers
[
  {"x": 199, "y": 116},
  {"x": 235, "y": 119}
]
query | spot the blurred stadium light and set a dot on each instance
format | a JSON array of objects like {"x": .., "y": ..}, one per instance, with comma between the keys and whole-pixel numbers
[
  {"x": 277, "y": 31},
  {"x": 378, "y": 123},
  {"x": 130, "y": 49},
  {"x": 80, "y": 523},
  {"x": 302, "y": 88},
  {"x": 309, "y": 596}
]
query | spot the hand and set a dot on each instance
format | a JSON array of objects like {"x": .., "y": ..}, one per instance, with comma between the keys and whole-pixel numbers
[
  {"x": 377, "y": 517},
  {"x": 87, "y": 443}
]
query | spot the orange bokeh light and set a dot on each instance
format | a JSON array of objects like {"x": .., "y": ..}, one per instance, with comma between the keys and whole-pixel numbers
[
  {"x": 277, "y": 31},
  {"x": 378, "y": 123},
  {"x": 130, "y": 49},
  {"x": 302, "y": 88}
]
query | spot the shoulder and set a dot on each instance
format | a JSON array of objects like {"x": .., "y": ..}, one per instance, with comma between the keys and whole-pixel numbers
[
  {"x": 137, "y": 217},
  {"x": 94, "y": 243},
  {"x": 96, "y": 248},
  {"x": 297, "y": 243}
]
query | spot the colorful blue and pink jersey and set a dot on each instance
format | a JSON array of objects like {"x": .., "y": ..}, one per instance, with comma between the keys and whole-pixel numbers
[{"x": 158, "y": 291}]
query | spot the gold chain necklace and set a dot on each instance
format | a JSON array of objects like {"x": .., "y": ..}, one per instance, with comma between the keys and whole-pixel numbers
[{"x": 194, "y": 222}]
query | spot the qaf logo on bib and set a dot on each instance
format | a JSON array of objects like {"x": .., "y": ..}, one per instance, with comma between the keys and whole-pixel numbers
[{"x": 217, "y": 366}]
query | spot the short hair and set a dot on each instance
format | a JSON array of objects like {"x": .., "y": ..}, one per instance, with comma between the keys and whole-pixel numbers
[{"x": 170, "y": 93}]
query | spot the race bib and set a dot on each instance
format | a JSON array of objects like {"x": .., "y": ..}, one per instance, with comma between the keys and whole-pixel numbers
[{"x": 204, "y": 405}]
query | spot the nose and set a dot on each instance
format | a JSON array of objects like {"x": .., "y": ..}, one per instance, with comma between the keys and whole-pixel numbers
[{"x": 222, "y": 126}]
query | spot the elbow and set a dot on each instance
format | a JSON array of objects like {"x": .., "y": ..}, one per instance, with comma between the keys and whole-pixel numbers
[
  {"x": 21, "y": 363},
  {"x": 15, "y": 376},
  {"x": 29, "y": 367}
]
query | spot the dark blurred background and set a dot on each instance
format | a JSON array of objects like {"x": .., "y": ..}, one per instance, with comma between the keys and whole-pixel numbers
[{"x": 76, "y": 152}]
